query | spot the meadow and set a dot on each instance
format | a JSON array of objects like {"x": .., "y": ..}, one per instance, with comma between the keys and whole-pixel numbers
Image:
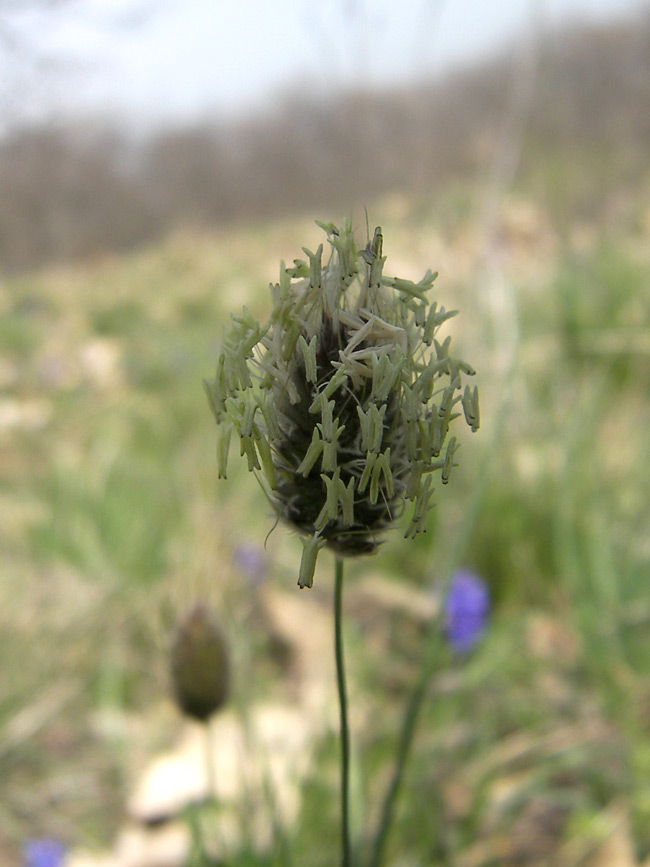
[{"x": 534, "y": 749}]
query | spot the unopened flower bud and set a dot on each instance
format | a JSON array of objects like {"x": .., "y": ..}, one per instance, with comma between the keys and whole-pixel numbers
[{"x": 199, "y": 664}]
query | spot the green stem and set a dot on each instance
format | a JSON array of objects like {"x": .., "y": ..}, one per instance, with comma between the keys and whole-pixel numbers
[
  {"x": 198, "y": 856},
  {"x": 403, "y": 749},
  {"x": 208, "y": 745},
  {"x": 346, "y": 856},
  {"x": 434, "y": 639}
]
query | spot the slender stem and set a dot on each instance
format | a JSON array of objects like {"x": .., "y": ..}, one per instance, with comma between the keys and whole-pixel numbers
[
  {"x": 210, "y": 775},
  {"x": 198, "y": 854},
  {"x": 433, "y": 639},
  {"x": 346, "y": 851},
  {"x": 403, "y": 749}
]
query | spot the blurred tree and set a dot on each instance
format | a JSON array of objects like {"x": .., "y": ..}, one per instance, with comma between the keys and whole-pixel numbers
[{"x": 73, "y": 189}]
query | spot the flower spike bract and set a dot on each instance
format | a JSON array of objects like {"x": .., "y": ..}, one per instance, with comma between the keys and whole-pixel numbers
[{"x": 342, "y": 402}]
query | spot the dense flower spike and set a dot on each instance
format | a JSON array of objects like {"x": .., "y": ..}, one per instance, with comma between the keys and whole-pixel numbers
[{"x": 342, "y": 402}]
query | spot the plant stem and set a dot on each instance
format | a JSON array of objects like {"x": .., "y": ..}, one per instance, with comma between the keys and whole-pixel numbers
[
  {"x": 403, "y": 749},
  {"x": 208, "y": 745},
  {"x": 346, "y": 856},
  {"x": 208, "y": 812},
  {"x": 434, "y": 639}
]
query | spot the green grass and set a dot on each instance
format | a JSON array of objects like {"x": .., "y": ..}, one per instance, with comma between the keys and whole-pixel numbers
[{"x": 114, "y": 520}]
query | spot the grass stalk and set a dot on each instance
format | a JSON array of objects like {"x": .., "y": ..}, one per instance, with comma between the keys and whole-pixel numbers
[
  {"x": 346, "y": 849},
  {"x": 434, "y": 634},
  {"x": 407, "y": 733}
]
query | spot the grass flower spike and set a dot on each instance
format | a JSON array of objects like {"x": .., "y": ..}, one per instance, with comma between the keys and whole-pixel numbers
[{"x": 343, "y": 401}]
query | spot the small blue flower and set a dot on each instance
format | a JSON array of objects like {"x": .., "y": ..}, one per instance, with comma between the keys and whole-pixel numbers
[
  {"x": 43, "y": 852},
  {"x": 467, "y": 607}
]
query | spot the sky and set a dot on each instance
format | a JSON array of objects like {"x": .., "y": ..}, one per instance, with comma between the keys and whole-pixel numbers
[{"x": 152, "y": 61}]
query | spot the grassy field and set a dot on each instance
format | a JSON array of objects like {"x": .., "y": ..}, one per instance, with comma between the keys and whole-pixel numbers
[{"x": 535, "y": 749}]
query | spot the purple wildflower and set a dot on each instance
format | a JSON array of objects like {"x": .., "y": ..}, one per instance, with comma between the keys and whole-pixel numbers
[
  {"x": 466, "y": 610},
  {"x": 43, "y": 852}
]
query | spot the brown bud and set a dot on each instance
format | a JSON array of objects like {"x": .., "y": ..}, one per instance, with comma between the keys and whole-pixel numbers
[{"x": 199, "y": 664}]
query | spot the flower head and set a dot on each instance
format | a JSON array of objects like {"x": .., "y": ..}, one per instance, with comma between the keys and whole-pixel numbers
[
  {"x": 467, "y": 607},
  {"x": 343, "y": 400}
]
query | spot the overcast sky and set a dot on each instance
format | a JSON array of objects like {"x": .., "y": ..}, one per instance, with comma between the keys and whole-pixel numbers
[{"x": 182, "y": 58}]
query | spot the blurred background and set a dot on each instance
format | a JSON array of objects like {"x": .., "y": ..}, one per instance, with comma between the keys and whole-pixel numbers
[{"x": 157, "y": 162}]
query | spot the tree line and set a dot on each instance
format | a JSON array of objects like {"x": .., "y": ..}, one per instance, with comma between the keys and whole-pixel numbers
[{"x": 79, "y": 188}]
